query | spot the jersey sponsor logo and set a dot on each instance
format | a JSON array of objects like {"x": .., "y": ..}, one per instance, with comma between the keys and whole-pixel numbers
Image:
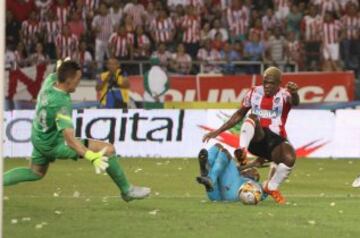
[{"x": 266, "y": 113}]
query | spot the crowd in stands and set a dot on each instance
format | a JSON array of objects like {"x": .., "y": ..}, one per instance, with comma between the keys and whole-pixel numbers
[{"x": 314, "y": 34}]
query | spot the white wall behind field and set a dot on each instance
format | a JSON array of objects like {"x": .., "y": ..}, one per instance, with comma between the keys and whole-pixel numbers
[{"x": 178, "y": 133}]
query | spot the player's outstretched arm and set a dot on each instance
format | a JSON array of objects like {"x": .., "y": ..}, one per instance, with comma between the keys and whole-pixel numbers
[
  {"x": 96, "y": 158},
  {"x": 235, "y": 118},
  {"x": 293, "y": 90},
  {"x": 73, "y": 142}
]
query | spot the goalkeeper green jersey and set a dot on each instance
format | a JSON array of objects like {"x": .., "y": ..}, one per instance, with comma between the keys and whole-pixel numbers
[{"x": 53, "y": 115}]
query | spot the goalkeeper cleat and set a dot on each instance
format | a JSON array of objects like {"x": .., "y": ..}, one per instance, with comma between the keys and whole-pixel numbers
[
  {"x": 206, "y": 181},
  {"x": 136, "y": 193},
  {"x": 275, "y": 194},
  {"x": 203, "y": 161}
]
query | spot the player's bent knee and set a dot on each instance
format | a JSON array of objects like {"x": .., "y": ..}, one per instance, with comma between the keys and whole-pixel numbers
[{"x": 289, "y": 160}]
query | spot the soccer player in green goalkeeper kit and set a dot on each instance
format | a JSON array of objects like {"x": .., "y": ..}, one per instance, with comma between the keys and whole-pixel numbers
[{"x": 53, "y": 136}]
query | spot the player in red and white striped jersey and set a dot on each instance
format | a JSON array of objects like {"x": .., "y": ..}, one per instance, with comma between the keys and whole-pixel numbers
[
  {"x": 102, "y": 26},
  {"x": 269, "y": 21},
  {"x": 62, "y": 10},
  {"x": 191, "y": 25},
  {"x": 311, "y": 36},
  {"x": 121, "y": 44},
  {"x": 331, "y": 33},
  {"x": 208, "y": 54},
  {"x": 29, "y": 29},
  {"x": 256, "y": 30},
  {"x": 263, "y": 131},
  {"x": 282, "y": 8},
  {"x": 136, "y": 11},
  {"x": 294, "y": 50},
  {"x": 162, "y": 28},
  {"x": 237, "y": 20},
  {"x": 91, "y": 6},
  {"x": 163, "y": 55},
  {"x": 43, "y": 7},
  {"x": 181, "y": 61},
  {"x": 66, "y": 44},
  {"x": 141, "y": 44},
  {"x": 350, "y": 45},
  {"x": 51, "y": 29}
]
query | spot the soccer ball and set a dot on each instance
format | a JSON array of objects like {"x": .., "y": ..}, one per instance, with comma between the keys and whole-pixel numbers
[{"x": 250, "y": 193}]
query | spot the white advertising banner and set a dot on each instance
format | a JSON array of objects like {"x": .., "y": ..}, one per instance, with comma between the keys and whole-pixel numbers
[{"x": 178, "y": 133}]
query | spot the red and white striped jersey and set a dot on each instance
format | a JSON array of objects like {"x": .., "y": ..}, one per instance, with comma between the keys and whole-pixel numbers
[
  {"x": 143, "y": 43},
  {"x": 162, "y": 29},
  {"x": 104, "y": 24},
  {"x": 136, "y": 12},
  {"x": 238, "y": 21},
  {"x": 310, "y": 27},
  {"x": 269, "y": 22},
  {"x": 331, "y": 32},
  {"x": 191, "y": 26},
  {"x": 294, "y": 49},
  {"x": 62, "y": 13},
  {"x": 43, "y": 7},
  {"x": 121, "y": 44},
  {"x": 67, "y": 45},
  {"x": 51, "y": 29},
  {"x": 351, "y": 26},
  {"x": 29, "y": 28},
  {"x": 209, "y": 55},
  {"x": 271, "y": 111}
]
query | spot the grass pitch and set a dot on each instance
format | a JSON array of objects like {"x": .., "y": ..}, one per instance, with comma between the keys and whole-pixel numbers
[{"x": 71, "y": 201}]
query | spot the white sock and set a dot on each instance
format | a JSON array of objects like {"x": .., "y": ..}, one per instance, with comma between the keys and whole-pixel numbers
[
  {"x": 247, "y": 133},
  {"x": 281, "y": 173}
]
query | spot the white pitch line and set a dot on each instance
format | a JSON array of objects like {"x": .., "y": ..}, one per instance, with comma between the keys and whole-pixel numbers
[{"x": 188, "y": 196}]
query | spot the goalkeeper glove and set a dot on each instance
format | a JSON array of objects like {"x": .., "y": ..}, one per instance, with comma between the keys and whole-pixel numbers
[{"x": 98, "y": 160}]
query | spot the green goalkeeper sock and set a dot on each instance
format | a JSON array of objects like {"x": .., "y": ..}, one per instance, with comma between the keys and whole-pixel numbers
[
  {"x": 18, "y": 175},
  {"x": 116, "y": 172}
]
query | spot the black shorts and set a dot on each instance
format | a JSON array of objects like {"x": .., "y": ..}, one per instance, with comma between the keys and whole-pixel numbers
[{"x": 264, "y": 147}]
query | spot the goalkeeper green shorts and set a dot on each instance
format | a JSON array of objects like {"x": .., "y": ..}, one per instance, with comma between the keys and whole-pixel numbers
[{"x": 62, "y": 151}]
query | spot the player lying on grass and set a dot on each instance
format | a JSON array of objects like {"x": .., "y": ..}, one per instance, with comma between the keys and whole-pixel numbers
[
  {"x": 263, "y": 131},
  {"x": 53, "y": 136},
  {"x": 222, "y": 179}
]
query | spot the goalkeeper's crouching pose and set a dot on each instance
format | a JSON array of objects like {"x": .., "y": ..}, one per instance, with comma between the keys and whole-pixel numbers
[
  {"x": 53, "y": 136},
  {"x": 222, "y": 179}
]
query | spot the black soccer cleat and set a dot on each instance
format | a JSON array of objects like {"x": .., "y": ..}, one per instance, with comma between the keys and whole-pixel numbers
[
  {"x": 206, "y": 181},
  {"x": 203, "y": 162}
]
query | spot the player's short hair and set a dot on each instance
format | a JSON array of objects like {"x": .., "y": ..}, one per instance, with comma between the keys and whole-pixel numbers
[
  {"x": 273, "y": 72},
  {"x": 66, "y": 70}
]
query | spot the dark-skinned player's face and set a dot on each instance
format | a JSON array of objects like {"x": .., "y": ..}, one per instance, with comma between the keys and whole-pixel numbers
[{"x": 271, "y": 85}]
